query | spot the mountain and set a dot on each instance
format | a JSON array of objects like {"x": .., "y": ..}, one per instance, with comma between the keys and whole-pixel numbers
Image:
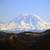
[
  {"x": 30, "y": 23},
  {"x": 25, "y": 23}
]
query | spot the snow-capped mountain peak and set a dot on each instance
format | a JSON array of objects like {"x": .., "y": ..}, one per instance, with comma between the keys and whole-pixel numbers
[{"x": 26, "y": 22}]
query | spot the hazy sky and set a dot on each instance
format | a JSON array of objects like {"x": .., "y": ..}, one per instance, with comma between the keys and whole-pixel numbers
[{"x": 10, "y": 8}]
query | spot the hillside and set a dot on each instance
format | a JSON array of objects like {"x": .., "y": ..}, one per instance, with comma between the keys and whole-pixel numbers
[{"x": 25, "y": 40}]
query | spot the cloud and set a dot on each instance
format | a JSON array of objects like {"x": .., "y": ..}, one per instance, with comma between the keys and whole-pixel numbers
[{"x": 8, "y": 26}]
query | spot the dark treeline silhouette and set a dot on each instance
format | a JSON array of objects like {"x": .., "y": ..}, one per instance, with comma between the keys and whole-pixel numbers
[{"x": 25, "y": 40}]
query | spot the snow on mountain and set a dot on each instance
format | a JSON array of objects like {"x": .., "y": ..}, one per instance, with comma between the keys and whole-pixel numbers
[
  {"x": 26, "y": 23},
  {"x": 35, "y": 22}
]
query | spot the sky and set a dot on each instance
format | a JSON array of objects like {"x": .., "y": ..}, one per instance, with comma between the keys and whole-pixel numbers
[{"x": 9, "y": 9}]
